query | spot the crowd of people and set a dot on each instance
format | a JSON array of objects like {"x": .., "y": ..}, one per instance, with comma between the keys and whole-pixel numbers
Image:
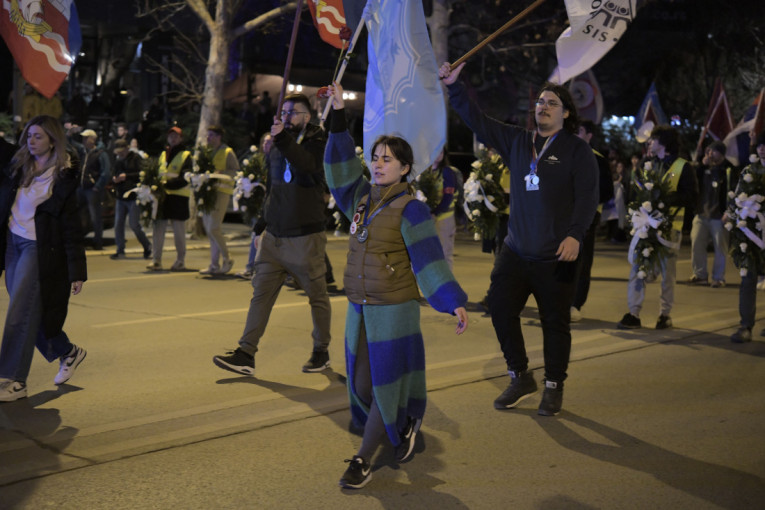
[{"x": 561, "y": 192}]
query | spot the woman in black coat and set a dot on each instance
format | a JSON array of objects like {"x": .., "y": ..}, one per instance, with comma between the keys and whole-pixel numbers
[{"x": 42, "y": 253}]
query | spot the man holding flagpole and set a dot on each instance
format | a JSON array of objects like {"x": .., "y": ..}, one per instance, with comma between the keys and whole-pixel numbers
[{"x": 553, "y": 197}]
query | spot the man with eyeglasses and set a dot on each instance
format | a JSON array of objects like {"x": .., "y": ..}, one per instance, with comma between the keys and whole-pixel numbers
[
  {"x": 553, "y": 197},
  {"x": 293, "y": 238}
]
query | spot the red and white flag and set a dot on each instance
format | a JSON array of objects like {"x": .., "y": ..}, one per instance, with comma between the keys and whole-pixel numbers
[
  {"x": 587, "y": 97},
  {"x": 595, "y": 28},
  {"x": 329, "y": 18},
  {"x": 39, "y": 34},
  {"x": 719, "y": 121}
]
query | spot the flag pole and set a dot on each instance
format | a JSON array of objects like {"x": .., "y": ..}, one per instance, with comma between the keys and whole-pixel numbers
[
  {"x": 496, "y": 34},
  {"x": 290, "y": 53},
  {"x": 346, "y": 59}
]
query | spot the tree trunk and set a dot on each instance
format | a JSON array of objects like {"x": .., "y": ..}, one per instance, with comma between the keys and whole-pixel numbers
[{"x": 215, "y": 74}]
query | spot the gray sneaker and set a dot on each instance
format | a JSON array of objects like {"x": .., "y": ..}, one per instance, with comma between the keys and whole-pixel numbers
[{"x": 521, "y": 387}]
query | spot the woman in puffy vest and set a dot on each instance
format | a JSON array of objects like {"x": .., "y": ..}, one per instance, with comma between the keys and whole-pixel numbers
[{"x": 393, "y": 248}]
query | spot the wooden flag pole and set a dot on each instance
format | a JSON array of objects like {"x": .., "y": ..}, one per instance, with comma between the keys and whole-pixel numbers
[
  {"x": 290, "y": 53},
  {"x": 496, "y": 34}
]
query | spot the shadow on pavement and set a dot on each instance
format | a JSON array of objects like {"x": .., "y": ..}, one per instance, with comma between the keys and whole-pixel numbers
[
  {"x": 32, "y": 442},
  {"x": 720, "y": 485}
]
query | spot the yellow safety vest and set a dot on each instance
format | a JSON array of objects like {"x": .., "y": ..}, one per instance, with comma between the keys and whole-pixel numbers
[
  {"x": 219, "y": 163},
  {"x": 672, "y": 177},
  {"x": 174, "y": 167}
]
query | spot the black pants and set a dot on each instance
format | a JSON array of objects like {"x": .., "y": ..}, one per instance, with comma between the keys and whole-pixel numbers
[{"x": 552, "y": 283}]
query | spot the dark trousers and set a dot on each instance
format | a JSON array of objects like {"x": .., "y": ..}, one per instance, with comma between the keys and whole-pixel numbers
[
  {"x": 747, "y": 299},
  {"x": 513, "y": 280},
  {"x": 586, "y": 256}
]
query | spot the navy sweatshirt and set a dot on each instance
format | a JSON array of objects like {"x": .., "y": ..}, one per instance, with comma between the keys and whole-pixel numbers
[{"x": 567, "y": 197}]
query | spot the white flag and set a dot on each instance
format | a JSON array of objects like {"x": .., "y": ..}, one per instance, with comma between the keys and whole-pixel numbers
[
  {"x": 595, "y": 28},
  {"x": 403, "y": 94}
]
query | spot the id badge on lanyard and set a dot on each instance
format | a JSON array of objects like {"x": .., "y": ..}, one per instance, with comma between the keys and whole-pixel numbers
[{"x": 532, "y": 179}]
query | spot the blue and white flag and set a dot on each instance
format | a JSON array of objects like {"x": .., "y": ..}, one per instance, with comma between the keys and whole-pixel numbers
[
  {"x": 651, "y": 109},
  {"x": 737, "y": 142},
  {"x": 595, "y": 27},
  {"x": 403, "y": 94}
]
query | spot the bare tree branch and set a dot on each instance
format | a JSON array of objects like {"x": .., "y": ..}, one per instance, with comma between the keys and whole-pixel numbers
[{"x": 264, "y": 18}]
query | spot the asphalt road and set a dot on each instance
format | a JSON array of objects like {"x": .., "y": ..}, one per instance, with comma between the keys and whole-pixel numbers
[{"x": 662, "y": 419}]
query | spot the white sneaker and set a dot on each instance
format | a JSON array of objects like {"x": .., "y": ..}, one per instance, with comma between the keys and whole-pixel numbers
[
  {"x": 69, "y": 364},
  {"x": 210, "y": 270},
  {"x": 226, "y": 266},
  {"x": 178, "y": 265},
  {"x": 576, "y": 315},
  {"x": 12, "y": 390}
]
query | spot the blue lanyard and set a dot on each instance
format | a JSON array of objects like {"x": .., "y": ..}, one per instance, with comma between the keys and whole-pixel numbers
[
  {"x": 367, "y": 218},
  {"x": 534, "y": 157}
]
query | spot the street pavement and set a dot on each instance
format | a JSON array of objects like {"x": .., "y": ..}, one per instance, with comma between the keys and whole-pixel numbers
[{"x": 651, "y": 419}]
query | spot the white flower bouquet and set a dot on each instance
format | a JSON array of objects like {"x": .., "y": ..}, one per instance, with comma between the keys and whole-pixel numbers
[
  {"x": 650, "y": 220},
  {"x": 484, "y": 196},
  {"x": 745, "y": 220}
]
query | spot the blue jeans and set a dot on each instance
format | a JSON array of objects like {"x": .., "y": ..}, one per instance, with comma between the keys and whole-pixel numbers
[
  {"x": 129, "y": 209},
  {"x": 23, "y": 322},
  {"x": 253, "y": 251},
  {"x": 92, "y": 200}
]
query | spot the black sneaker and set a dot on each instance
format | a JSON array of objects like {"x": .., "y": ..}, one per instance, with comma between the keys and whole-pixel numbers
[
  {"x": 358, "y": 474},
  {"x": 522, "y": 386},
  {"x": 147, "y": 253},
  {"x": 629, "y": 321},
  {"x": 405, "y": 449},
  {"x": 741, "y": 336},
  {"x": 664, "y": 322},
  {"x": 117, "y": 256},
  {"x": 318, "y": 362},
  {"x": 236, "y": 361},
  {"x": 552, "y": 399}
]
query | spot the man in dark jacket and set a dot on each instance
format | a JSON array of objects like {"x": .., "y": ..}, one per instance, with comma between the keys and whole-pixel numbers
[
  {"x": 716, "y": 178},
  {"x": 127, "y": 167},
  {"x": 294, "y": 239},
  {"x": 94, "y": 176},
  {"x": 553, "y": 196}
]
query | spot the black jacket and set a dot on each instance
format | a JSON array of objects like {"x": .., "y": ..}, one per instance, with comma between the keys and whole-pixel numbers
[
  {"x": 60, "y": 247},
  {"x": 296, "y": 208}
]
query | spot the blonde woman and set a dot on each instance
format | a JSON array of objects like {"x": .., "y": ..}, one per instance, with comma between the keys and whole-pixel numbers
[{"x": 42, "y": 253}]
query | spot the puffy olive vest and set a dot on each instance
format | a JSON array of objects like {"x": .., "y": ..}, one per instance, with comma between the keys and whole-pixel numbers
[{"x": 378, "y": 271}]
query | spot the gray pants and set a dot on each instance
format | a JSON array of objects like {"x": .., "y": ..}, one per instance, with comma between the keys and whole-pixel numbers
[
  {"x": 301, "y": 257},
  {"x": 179, "y": 235},
  {"x": 636, "y": 287},
  {"x": 213, "y": 221},
  {"x": 703, "y": 230}
]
